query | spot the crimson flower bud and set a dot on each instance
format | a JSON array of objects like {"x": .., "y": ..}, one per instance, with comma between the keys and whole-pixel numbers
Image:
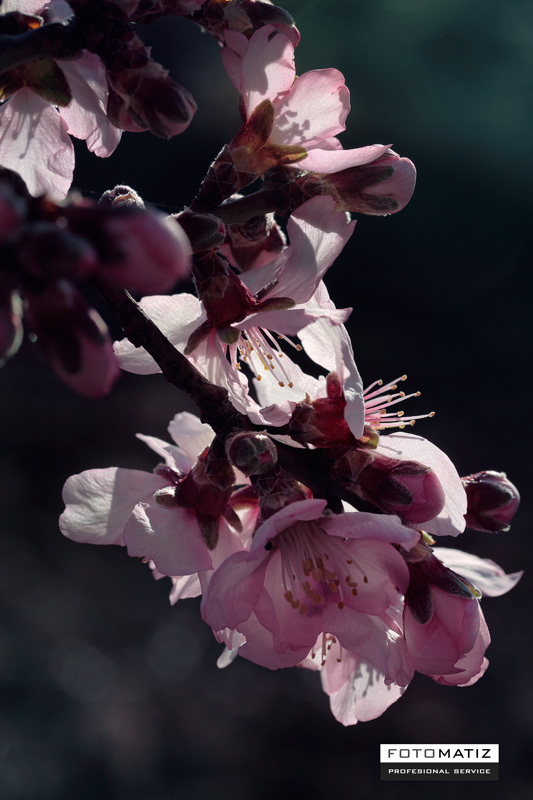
[
  {"x": 254, "y": 243},
  {"x": 204, "y": 231},
  {"x": 73, "y": 339},
  {"x": 253, "y": 453},
  {"x": 406, "y": 488},
  {"x": 12, "y": 210},
  {"x": 492, "y": 501},
  {"x": 144, "y": 97},
  {"x": 153, "y": 253},
  {"x": 47, "y": 251}
]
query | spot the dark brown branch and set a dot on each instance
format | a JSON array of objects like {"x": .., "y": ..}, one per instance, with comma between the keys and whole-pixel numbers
[
  {"x": 237, "y": 212},
  {"x": 212, "y": 401}
]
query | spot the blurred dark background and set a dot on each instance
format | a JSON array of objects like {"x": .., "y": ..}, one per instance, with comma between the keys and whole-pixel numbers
[{"x": 108, "y": 692}]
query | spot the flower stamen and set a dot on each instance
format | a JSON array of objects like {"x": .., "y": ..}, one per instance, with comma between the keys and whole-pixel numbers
[{"x": 378, "y": 401}]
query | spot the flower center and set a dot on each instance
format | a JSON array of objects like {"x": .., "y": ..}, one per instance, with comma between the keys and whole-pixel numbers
[
  {"x": 378, "y": 401},
  {"x": 316, "y": 568}
]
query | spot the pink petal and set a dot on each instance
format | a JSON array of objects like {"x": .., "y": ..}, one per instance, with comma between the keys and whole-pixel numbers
[
  {"x": 364, "y": 525},
  {"x": 171, "y": 455},
  {"x": 302, "y": 510},
  {"x": 259, "y": 647},
  {"x": 86, "y": 116},
  {"x": 327, "y": 161},
  {"x": 191, "y": 435},
  {"x": 471, "y": 666},
  {"x": 99, "y": 503},
  {"x": 184, "y": 588},
  {"x": 292, "y": 320},
  {"x": 170, "y": 537},
  {"x": 232, "y": 62},
  {"x": 376, "y": 639},
  {"x": 483, "y": 573},
  {"x": 234, "y": 590},
  {"x": 34, "y": 142},
  {"x": 314, "y": 109},
  {"x": 436, "y": 646},
  {"x": 267, "y": 67},
  {"x": 317, "y": 235},
  {"x": 357, "y": 689}
]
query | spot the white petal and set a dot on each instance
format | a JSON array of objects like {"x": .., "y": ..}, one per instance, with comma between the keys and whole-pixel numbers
[
  {"x": 34, "y": 142},
  {"x": 191, "y": 435},
  {"x": 176, "y": 316},
  {"x": 485, "y": 574},
  {"x": 86, "y": 116},
  {"x": 99, "y": 503}
]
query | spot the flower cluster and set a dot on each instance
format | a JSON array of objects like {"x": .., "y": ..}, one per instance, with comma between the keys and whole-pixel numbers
[{"x": 299, "y": 508}]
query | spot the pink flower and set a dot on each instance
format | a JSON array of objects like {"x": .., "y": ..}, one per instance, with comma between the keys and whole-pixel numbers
[
  {"x": 241, "y": 320},
  {"x": 34, "y": 129},
  {"x": 294, "y": 120},
  {"x": 308, "y": 574},
  {"x": 399, "y": 473},
  {"x": 444, "y": 627},
  {"x": 174, "y": 517}
]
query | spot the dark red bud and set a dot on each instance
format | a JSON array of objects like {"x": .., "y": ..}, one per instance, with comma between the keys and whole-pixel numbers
[
  {"x": 253, "y": 453},
  {"x": 73, "y": 339},
  {"x": 492, "y": 501},
  {"x": 47, "y": 251},
  {"x": 406, "y": 488},
  {"x": 205, "y": 231}
]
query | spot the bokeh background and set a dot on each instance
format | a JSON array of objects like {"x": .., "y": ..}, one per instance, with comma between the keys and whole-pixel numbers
[{"x": 108, "y": 692}]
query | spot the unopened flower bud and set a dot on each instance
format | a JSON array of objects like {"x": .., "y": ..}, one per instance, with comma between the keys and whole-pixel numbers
[
  {"x": 73, "y": 339},
  {"x": 383, "y": 186},
  {"x": 47, "y": 251},
  {"x": 12, "y": 210},
  {"x": 204, "y": 231},
  {"x": 492, "y": 501},
  {"x": 406, "y": 488},
  {"x": 253, "y": 453},
  {"x": 153, "y": 254},
  {"x": 123, "y": 196},
  {"x": 144, "y": 97}
]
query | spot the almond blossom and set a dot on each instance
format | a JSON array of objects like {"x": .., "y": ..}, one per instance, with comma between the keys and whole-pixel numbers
[
  {"x": 223, "y": 331},
  {"x": 307, "y": 573},
  {"x": 44, "y": 110},
  {"x": 182, "y": 535},
  {"x": 294, "y": 119},
  {"x": 337, "y": 411}
]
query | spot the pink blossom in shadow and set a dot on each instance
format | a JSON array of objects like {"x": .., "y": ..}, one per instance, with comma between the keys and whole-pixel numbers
[{"x": 308, "y": 574}]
